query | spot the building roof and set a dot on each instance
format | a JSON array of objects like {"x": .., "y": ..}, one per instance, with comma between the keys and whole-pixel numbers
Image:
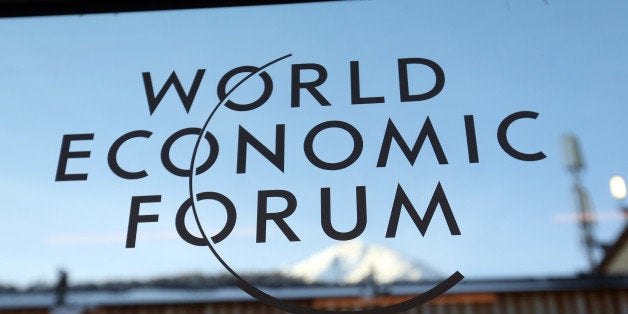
[
  {"x": 170, "y": 296},
  {"x": 615, "y": 261}
]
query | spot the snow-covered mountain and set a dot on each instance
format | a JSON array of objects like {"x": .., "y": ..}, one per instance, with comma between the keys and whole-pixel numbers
[{"x": 354, "y": 261}]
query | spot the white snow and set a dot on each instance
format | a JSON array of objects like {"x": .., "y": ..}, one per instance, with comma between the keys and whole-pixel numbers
[{"x": 353, "y": 261}]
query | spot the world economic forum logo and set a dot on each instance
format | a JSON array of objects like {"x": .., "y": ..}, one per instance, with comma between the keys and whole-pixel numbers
[{"x": 274, "y": 152}]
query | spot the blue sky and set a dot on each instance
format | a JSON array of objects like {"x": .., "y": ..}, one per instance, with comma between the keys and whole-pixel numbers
[{"x": 82, "y": 74}]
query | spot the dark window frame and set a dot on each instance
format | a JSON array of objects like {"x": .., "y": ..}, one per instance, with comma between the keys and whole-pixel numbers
[{"x": 25, "y": 8}]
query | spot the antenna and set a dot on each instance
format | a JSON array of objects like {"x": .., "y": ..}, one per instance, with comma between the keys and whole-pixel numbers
[
  {"x": 575, "y": 165},
  {"x": 572, "y": 154}
]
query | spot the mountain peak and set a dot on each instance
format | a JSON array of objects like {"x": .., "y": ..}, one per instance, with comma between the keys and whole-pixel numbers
[{"x": 354, "y": 261}]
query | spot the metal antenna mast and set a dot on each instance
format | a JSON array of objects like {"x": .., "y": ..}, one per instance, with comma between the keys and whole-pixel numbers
[{"x": 575, "y": 165}]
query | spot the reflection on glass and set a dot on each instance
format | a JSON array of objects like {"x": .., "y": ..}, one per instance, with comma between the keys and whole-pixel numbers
[
  {"x": 618, "y": 187},
  {"x": 131, "y": 91}
]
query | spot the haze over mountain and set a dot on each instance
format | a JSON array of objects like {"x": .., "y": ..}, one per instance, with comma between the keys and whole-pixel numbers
[{"x": 354, "y": 262}]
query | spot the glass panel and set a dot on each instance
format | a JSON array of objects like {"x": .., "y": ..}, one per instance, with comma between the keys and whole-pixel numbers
[{"x": 477, "y": 138}]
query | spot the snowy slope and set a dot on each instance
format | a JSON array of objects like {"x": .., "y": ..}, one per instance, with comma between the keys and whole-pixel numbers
[{"x": 354, "y": 261}]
